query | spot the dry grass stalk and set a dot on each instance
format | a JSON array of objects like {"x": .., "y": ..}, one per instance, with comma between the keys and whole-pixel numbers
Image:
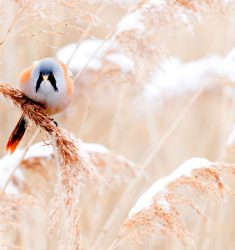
[
  {"x": 65, "y": 215},
  {"x": 157, "y": 212},
  {"x": 230, "y": 147},
  {"x": 44, "y": 14}
]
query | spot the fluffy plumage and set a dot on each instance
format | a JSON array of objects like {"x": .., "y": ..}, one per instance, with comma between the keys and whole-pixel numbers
[
  {"x": 47, "y": 82},
  {"x": 56, "y": 92}
]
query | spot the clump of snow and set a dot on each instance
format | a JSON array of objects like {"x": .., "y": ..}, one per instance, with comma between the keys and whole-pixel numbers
[
  {"x": 91, "y": 50},
  {"x": 7, "y": 165},
  {"x": 39, "y": 150},
  {"x": 132, "y": 21},
  {"x": 174, "y": 77},
  {"x": 160, "y": 186},
  {"x": 10, "y": 162},
  {"x": 153, "y": 3},
  {"x": 125, "y": 63},
  {"x": 227, "y": 66},
  {"x": 90, "y": 53},
  {"x": 228, "y": 1},
  {"x": 91, "y": 147}
]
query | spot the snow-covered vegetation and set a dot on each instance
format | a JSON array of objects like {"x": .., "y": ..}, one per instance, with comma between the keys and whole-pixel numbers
[{"x": 144, "y": 156}]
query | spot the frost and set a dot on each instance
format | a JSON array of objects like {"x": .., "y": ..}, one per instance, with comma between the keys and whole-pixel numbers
[{"x": 160, "y": 186}]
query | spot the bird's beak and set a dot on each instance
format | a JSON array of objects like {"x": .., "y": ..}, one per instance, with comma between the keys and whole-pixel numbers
[{"x": 45, "y": 77}]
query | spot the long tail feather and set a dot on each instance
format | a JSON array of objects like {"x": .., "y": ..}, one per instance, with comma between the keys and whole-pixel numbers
[{"x": 17, "y": 134}]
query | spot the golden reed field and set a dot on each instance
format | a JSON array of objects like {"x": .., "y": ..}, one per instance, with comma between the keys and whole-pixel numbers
[{"x": 144, "y": 157}]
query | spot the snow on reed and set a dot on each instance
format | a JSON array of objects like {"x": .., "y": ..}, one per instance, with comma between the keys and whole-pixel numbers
[
  {"x": 91, "y": 50},
  {"x": 103, "y": 159},
  {"x": 7, "y": 164},
  {"x": 65, "y": 201},
  {"x": 137, "y": 42},
  {"x": 139, "y": 34},
  {"x": 172, "y": 77},
  {"x": 146, "y": 200},
  {"x": 40, "y": 157},
  {"x": 157, "y": 211}
]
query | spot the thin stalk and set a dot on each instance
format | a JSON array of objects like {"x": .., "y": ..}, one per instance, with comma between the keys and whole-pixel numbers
[
  {"x": 100, "y": 9},
  {"x": 117, "y": 115},
  {"x": 120, "y": 210}
]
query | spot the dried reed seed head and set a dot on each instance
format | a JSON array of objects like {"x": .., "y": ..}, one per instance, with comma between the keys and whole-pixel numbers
[
  {"x": 14, "y": 205},
  {"x": 162, "y": 213},
  {"x": 47, "y": 17},
  {"x": 206, "y": 180},
  {"x": 113, "y": 168},
  {"x": 39, "y": 165},
  {"x": 12, "y": 210},
  {"x": 159, "y": 222}
]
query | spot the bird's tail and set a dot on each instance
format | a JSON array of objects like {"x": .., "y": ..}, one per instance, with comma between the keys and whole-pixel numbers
[{"x": 17, "y": 134}]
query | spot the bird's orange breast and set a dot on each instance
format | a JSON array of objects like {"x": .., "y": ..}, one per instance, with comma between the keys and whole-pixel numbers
[
  {"x": 68, "y": 79},
  {"x": 25, "y": 75}
]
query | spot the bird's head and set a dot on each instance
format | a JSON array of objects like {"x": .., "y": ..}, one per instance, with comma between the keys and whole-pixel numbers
[{"x": 47, "y": 71}]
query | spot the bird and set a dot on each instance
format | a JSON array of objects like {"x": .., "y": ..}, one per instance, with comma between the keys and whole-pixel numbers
[{"x": 47, "y": 82}]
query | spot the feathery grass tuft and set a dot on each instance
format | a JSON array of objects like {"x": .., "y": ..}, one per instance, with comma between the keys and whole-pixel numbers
[{"x": 158, "y": 211}]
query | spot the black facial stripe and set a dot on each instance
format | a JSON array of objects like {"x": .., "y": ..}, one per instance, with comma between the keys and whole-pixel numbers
[
  {"x": 52, "y": 80},
  {"x": 39, "y": 81}
]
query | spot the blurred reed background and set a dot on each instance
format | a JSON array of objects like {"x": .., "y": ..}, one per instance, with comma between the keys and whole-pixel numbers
[{"x": 154, "y": 83}]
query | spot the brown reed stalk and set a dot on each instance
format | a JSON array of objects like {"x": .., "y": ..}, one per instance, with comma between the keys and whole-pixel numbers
[{"x": 120, "y": 211}]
